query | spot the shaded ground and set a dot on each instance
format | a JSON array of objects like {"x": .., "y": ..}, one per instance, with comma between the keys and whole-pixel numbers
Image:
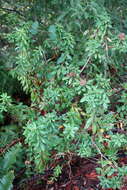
[{"x": 79, "y": 174}]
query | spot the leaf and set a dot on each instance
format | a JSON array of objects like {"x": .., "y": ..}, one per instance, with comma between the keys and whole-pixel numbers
[
  {"x": 6, "y": 181},
  {"x": 121, "y": 36},
  {"x": 89, "y": 122},
  {"x": 92, "y": 175},
  {"x": 94, "y": 128},
  {"x": 34, "y": 28},
  {"x": 52, "y": 32},
  {"x": 82, "y": 82},
  {"x": 61, "y": 59},
  {"x": 83, "y": 99},
  {"x": 76, "y": 188},
  {"x": 10, "y": 157}
]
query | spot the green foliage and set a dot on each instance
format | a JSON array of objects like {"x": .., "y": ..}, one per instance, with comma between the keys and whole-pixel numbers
[
  {"x": 6, "y": 181},
  {"x": 56, "y": 173},
  {"x": 42, "y": 136},
  {"x": 6, "y": 167},
  {"x": 5, "y": 102},
  {"x": 69, "y": 57},
  {"x": 111, "y": 177}
]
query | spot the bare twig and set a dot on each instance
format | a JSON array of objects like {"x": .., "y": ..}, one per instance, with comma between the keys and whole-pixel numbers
[
  {"x": 102, "y": 155},
  {"x": 85, "y": 64}
]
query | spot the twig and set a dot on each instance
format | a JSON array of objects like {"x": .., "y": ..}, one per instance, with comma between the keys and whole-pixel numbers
[
  {"x": 69, "y": 164},
  {"x": 102, "y": 155},
  {"x": 16, "y": 141},
  {"x": 85, "y": 64},
  {"x": 12, "y": 10}
]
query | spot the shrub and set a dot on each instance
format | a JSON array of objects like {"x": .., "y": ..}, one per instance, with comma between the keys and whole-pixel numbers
[{"x": 70, "y": 59}]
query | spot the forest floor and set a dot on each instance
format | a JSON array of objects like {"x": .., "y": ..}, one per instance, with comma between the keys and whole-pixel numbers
[{"x": 77, "y": 174}]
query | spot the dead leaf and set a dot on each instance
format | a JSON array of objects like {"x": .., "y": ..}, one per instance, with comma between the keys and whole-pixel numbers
[
  {"x": 121, "y": 36},
  {"x": 71, "y": 74},
  {"x": 82, "y": 82},
  {"x": 92, "y": 175},
  {"x": 76, "y": 188}
]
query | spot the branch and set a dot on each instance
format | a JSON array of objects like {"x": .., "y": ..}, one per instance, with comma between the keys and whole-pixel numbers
[
  {"x": 85, "y": 64},
  {"x": 102, "y": 155},
  {"x": 3, "y": 150},
  {"x": 12, "y": 10}
]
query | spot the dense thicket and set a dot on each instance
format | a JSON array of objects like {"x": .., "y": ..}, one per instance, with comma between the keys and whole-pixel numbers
[{"x": 63, "y": 85}]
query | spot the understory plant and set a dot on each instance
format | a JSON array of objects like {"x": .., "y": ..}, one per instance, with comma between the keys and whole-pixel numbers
[
  {"x": 68, "y": 59},
  {"x": 7, "y": 167}
]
